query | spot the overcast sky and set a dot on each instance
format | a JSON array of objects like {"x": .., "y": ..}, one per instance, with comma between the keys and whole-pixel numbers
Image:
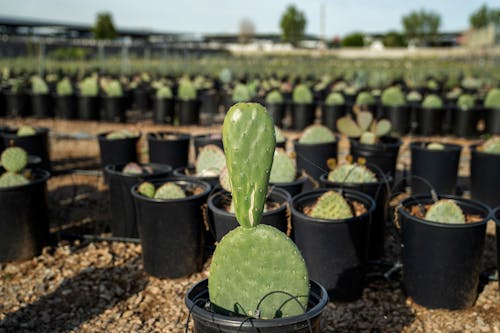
[{"x": 223, "y": 16}]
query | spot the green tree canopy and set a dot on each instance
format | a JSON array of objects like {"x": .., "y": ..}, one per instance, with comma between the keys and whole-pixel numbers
[
  {"x": 394, "y": 39},
  {"x": 422, "y": 25},
  {"x": 484, "y": 16},
  {"x": 355, "y": 39},
  {"x": 293, "y": 23},
  {"x": 104, "y": 27}
]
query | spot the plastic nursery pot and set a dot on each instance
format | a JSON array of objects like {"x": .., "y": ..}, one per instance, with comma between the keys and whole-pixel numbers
[
  {"x": 485, "y": 177},
  {"x": 303, "y": 115},
  {"x": 24, "y": 226},
  {"x": 36, "y": 144},
  {"x": 492, "y": 120},
  {"x": 163, "y": 110},
  {"x": 330, "y": 114},
  {"x": 2, "y": 103},
  {"x": 66, "y": 107},
  {"x": 170, "y": 148},
  {"x": 188, "y": 112},
  {"x": 312, "y": 158},
  {"x": 430, "y": 121},
  {"x": 223, "y": 221},
  {"x": 123, "y": 219},
  {"x": 141, "y": 98},
  {"x": 379, "y": 192},
  {"x": 438, "y": 167},
  {"x": 18, "y": 105},
  {"x": 465, "y": 122},
  {"x": 335, "y": 251},
  {"x": 400, "y": 118},
  {"x": 88, "y": 107},
  {"x": 277, "y": 111},
  {"x": 383, "y": 154},
  {"x": 203, "y": 140},
  {"x": 293, "y": 187},
  {"x": 41, "y": 105},
  {"x": 113, "y": 109},
  {"x": 117, "y": 151},
  {"x": 172, "y": 231},
  {"x": 190, "y": 173},
  {"x": 209, "y": 100},
  {"x": 208, "y": 321},
  {"x": 496, "y": 217},
  {"x": 442, "y": 261}
]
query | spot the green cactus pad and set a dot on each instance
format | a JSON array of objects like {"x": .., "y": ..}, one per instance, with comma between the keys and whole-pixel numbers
[
  {"x": 224, "y": 180},
  {"x": 393, "y": 97},
  {"x": 132, "y": 168},
  {"x": 302, "y": 94},
  {"x": 210, "y": 161},
  {"x": 14, "y": 159},
  {"x": 492, "y": 100},
  {"x": 414, "y": 96},
  {"x": 9, "y": 179},
  {"x": 368, "y": 138},
  {"x": 347, "y": 126},
  {"x": 26, "y": 131},
  {"x": 445, "y": 211},
  {"x": 147, "y": 189},
  {"x": 169, "y": 191},
  {"x": 352, "y": 173},
  {"x": 274, "y": 97},
  {"x": 432, "y": 102},
  {"x": 435, "y": 146},
  {"x": 280, "y": 137},
  {"x": 315, "y": 134},
  {"x": 364, "y": 119},
  {"x": 331, "y": 206},
  {"x": 382, "y": 127},
  {"x": 241, "y": 93},
  {"x": 365, "y": 98},
  {"x": 187, "y": 90},
  {"x": 491, "y": 146},
  {"x": 335, "y": 98},
  {"x": 283, "y": 169},
  {"x": 119, "y": 135},
  {"x": 466, "y": 102},
  {"x": 250, "y": 263}
]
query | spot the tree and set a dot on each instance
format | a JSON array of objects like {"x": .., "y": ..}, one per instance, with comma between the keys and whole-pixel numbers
[
  {"x": 104, "y": 27},
  {"x": 394, "y": 39},
  {"x": 293, "y": 23},
  {"x": 484, "y": 16},
  {"x": 247, "y": 31},
  {"x": 422, "y": 25},
  {"x": 355, "y": 39}
]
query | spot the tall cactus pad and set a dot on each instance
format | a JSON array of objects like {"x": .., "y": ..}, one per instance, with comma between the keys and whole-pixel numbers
[
  {"x": 317, "y": 134},
  {"x": 170, "y": 191},
  {"x": 445, "y": 211},
  {"x": 224, "y": 180},
  {"x": 249, "y": 142},
  {"x": 352, "y": 173},
  {"x": 249, "y": 264},
  {"x": 284, "y": 169},
  {"x": 14, "y": 159},
  {"x": 331, "y": 206},
  {"x": 9, "y": 179},
  {"x": 210, "y": 161}
]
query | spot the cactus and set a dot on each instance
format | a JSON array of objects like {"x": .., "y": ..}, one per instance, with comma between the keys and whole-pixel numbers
[
  {"x": 147, "y": 189},
  {"x": 454, "y": 93},
  {"x": 210, "y": 161},
  {"x": 435, "y": 146},
  {"x": 334, "y": 98},
  {"x": 9, "y": 179},
  {"x": 113, "y": 88},
  {"x": 38, "y": 86},
  {"x": 492, "y": 100},
  {"x": 168, "y": 191},
  {"x": 274, "y": 97},
  {"x": 316, "y": 134},
  {"x": 365, "y": 98},
  {"x": 187, "y": 90},
  {"x": 432, "y": 84},
  {"x": 352, "y": 173},
  {"x": 25, "y": 131},
  {"x": 14, "y": 160},
  {"x": 331, "y": 206},
  {"x": 283, "y": 169},
  {"x": 393, "y": 97},
  {"x": 132, "y": 168},
  {"x": 164, "y": 92},
  {"x": 225, "y": 75},
  {"x": 89, "y": 87},
  {"x": 17, "y": 86},
  {"x": 302, "y": 94},
  {"x": 224, "y": 180},
  {"x": 64, "y": 87},
  {"x": 280, "y": 137},
  {"x": 365, "y": 128},
  {"x": 445, "y": 211},
  {"x": 413, "y": 96},
  {"x": 466, "y": 102},
  {"x": 470, "y": 82},
  {"x": 432, "y": 102},
  {"x": 119, "y": 135},
  {"x": 491, "y": 146},
  {"x": 253, "y": 261},
  {"x": 241, "y": 93}
]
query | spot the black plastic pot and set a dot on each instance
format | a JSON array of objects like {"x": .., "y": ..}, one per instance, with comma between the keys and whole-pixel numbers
[
  {"x": 496, "y": 217},
  {"x": 208, "y": 321},
  {"x": 223, "y": 221},
  {"x": 203, "y": 140},
  {"x": 3, "y": 105},
  {"x": 172, "y": 151},
  {"x": 277, "y": 111},
  {"x": 384, "y": 154},
  {"x": 24, "y": 226},
  {"x": 189, "y": 173},
  {"x": 142, "y": 98},
  {"x": 188, "y": 112},
  {"x": 18, "y": 105},
  {"x": 303, "y": 115},
  {"x": 172, "y": 231},
  {"x": 164, "y": 110},
  {"x": 465, "y": 122},
  {"x": 209, "y": 100},
  {"x": 430, "y": 121},
  {"x": 438, "y": 167},
  {"x": 37, "y": 144},
  {"x": 293, "y": 187},
  {"x": 41, "y": 106},
  {"x": 88, "y": 107},
  {"x": 123, "y": 219},
  {"x": 335, "y": 251},
  {"x": 119, "y": 151},
  {"x": 330, "y": 114},
  {"x": 312, "y": 158},
  {"x": 400, "y": 118},
  {"x": 442, "y": 261},
  {"x": 492, "y": 120},
  {"x": 66, "y": 107},
  {"x": 485, "y": 177},
  {"x": 113, "y": 109},
  {"x": 379, "y": 192}
]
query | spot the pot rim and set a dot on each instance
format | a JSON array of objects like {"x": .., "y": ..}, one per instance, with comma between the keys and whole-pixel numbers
[
  {"x": 180, "y": 136},
  {"x": 299, "y": 179},
  {"x": 102, "y": 136},
  {"x": 495, "y": 215},
  {"x": 425, "y": 197},
  {"x": 180, "y": 172},
  {"x": 379, "y": 145},
  {"x": 382, "y": 180},
  {"x": 44, "y": 175},
  {"x": 161, "y": 181},
  {"x": 297, "y": 143},
  {"x": 11, "y": 132},
  {"x": 161, "y": 168},
  {"x": 448, "y": 147}
]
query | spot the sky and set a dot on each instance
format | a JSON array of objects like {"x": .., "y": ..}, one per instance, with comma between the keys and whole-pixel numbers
[{"x": 224, "y": 16}]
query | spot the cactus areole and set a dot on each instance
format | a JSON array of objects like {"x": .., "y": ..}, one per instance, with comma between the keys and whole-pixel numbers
[{"x": 256, "y": 270}]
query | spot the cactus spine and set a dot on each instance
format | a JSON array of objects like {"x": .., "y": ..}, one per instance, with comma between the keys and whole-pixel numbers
[{"x": 445, "y": 211}]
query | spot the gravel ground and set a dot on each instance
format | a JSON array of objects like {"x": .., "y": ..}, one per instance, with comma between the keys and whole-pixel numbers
[{"x": 101, "y": 287}]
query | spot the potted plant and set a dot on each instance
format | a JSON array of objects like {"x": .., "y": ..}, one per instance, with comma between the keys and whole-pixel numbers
[
  {"x": 188, "y": 112},
  {"x": 492, "y": 109},
  {"x": 284, "y": 173},
  {"x": 40, "y": 102},
  {"x": 118, "y": 147},
  {"x": 171, "y": 148},
  {"x": 114, "y": 102},
  {"x": 241, "y": 93},
  {"x": 35, "y": 141},
  {"x": 141, "y": 91},
  {"x": 24, "y": 226},
  {"x": 443, "y": 241},
  {"x": 365, "y": 101},
  {"x": 164, "y": 105},
  {"x": 484, "y": 175},
  {"x": 368, "y": 140},
  {"x": 394, "y": 108},
  {"x": 17, "y": 103},
  {"x": 269, "y": 290},
  {"x": 450, "y": 101},
  {"x": 169, "y": 217},
  {"x": 280, "y": 138},
  {"x": 88, "y": 99},
  {"x": 333, "y": 108},
  {"x": 303, "y": 108},
  {"x": 65, "y": 100},
  {"x": 465, "y": 116},
  {"x": 414, "y": 98},
  {"x": 202, "y": 140},
  {"x": 275, "y": 105},
  {"x": 430, "y": 115}
]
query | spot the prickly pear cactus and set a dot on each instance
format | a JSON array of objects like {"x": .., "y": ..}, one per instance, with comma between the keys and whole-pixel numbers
[
  {"x": 283, "y": 169},
  {"x": 352, "y": 173},
  {"x": 132, "y": 168},
  {"x": 241, "y": 93},
  {"x": 432, "y": 102},
  {"x": 210, "y": 161},
  {"x": 435, "y": 146},
  {"x": 224, "y": 180},
  {"x": 365, "y": 128},
  {"x": 491, "y": 146},
  {"x": 492, "y": 100},
  {"x": 280, "y": 137},
  {"x": 317, "y": 134},
  {"x": 169, "y": 191},
  {"x": 9, "y": 179},
  {"x": 331, "y": 206},
  {"x": 14, "y": 159},
  {"x": 335, "y": 98},
  {"x": 254, "y": 263},
  {"x": 147, "y": 189},
  {"x": 26, "y": 131},
  {"x": 445, "y": 211},
  {"x": 393, "y": 97},
  {"x": 119, "y": 135},
  {"x": 365, "y": 98},
  {"x": 302, "y": 94}
]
